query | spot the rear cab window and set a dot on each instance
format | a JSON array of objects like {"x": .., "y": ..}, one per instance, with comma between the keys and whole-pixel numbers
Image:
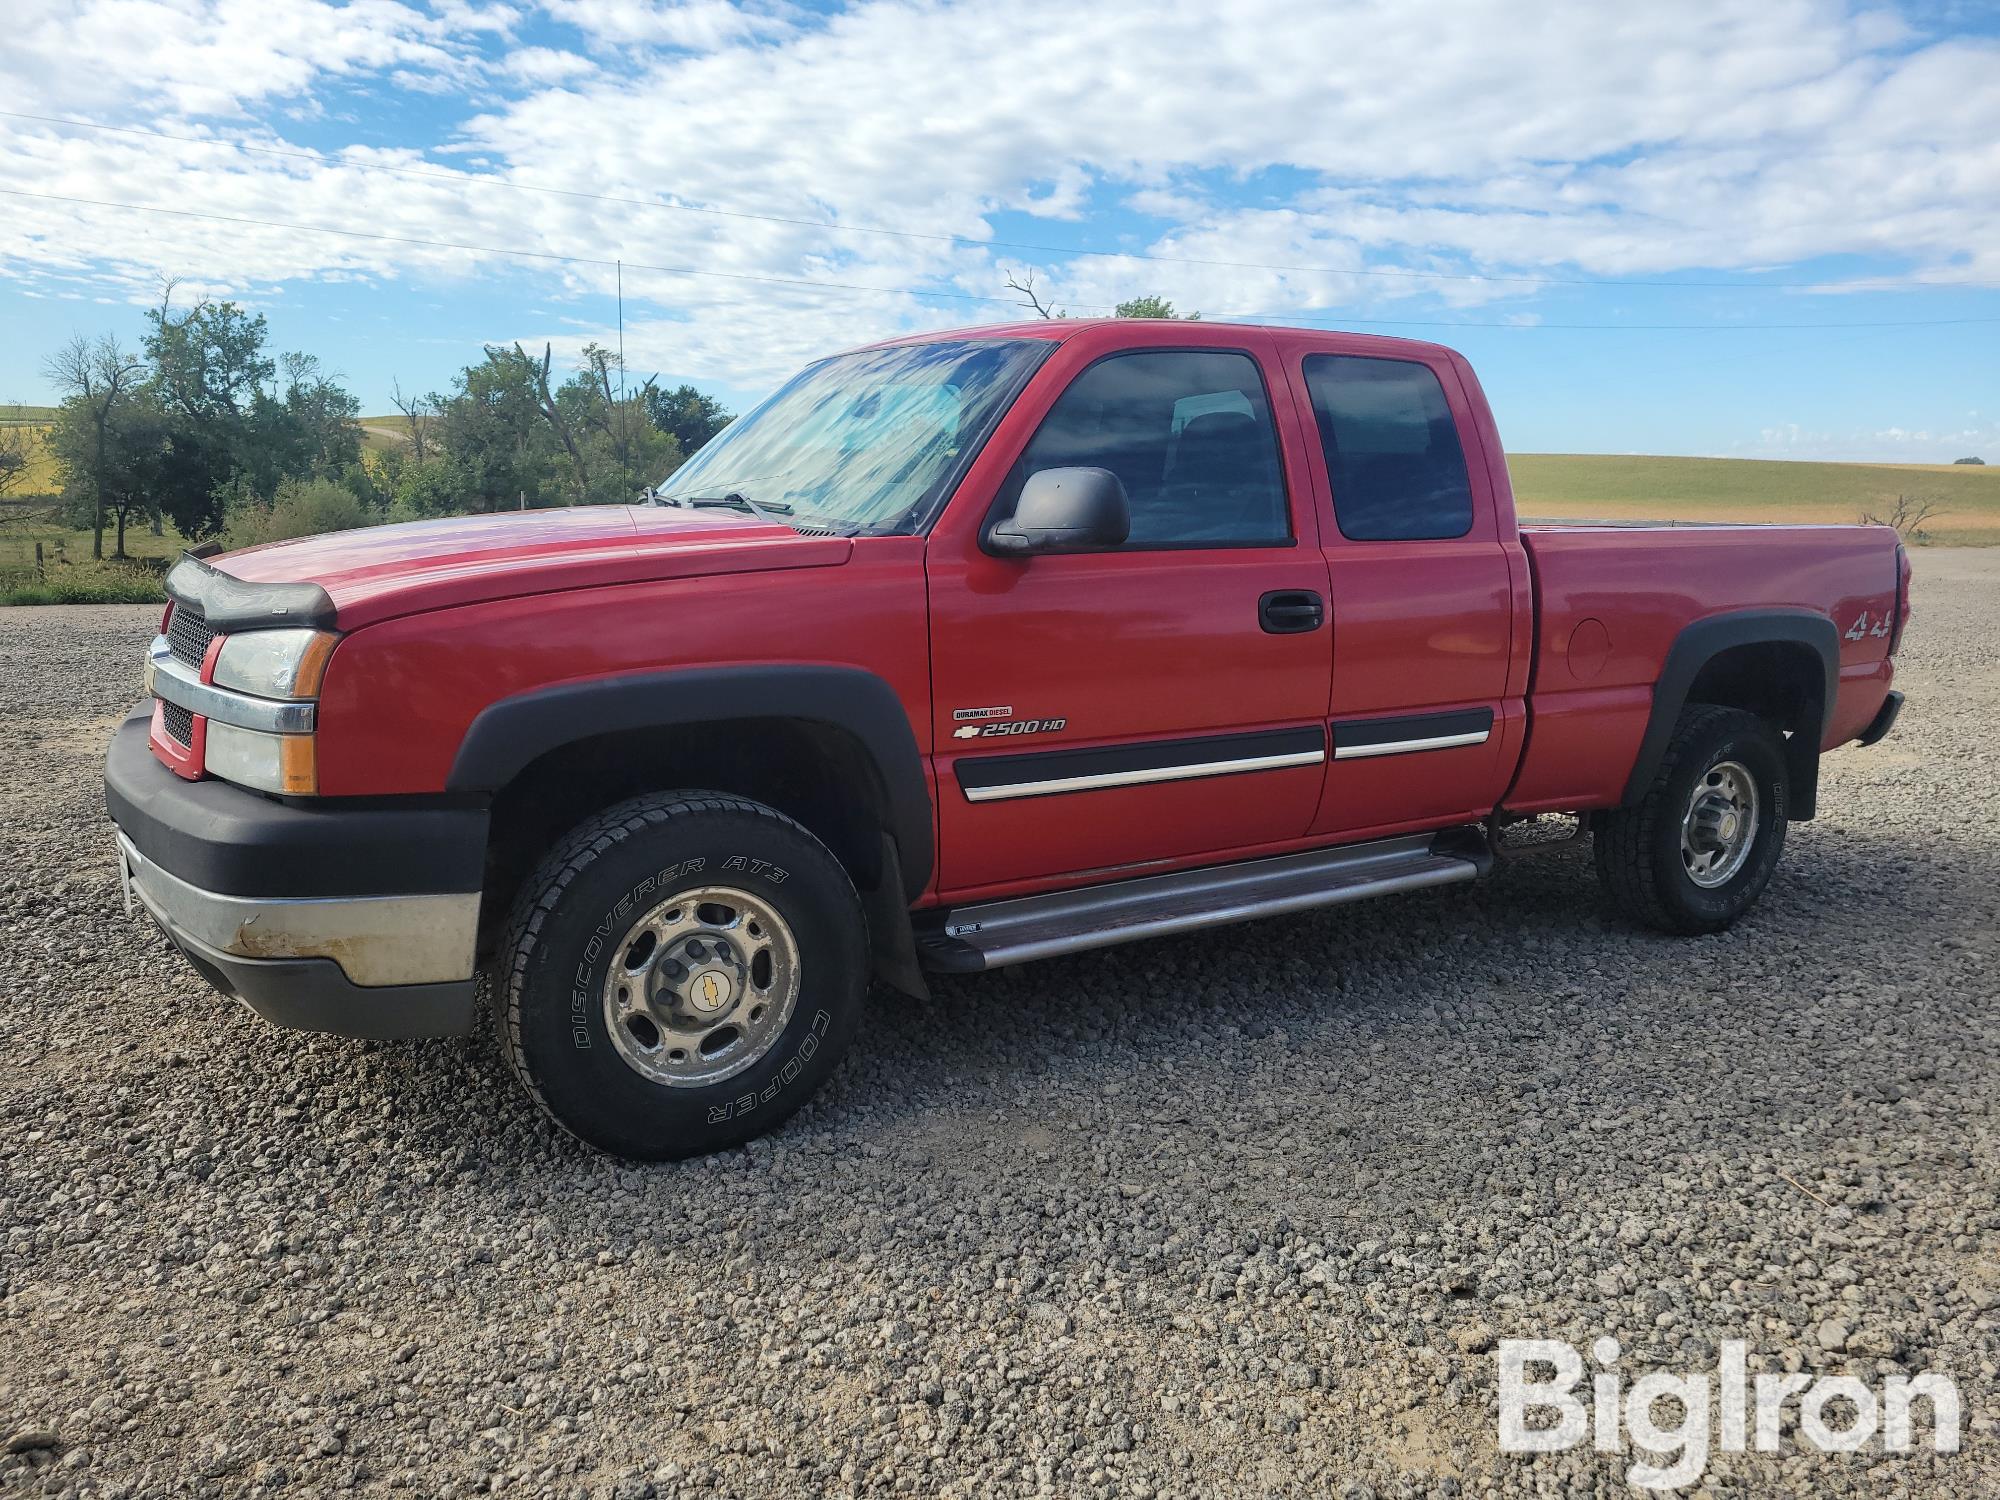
[{"x": 1393, "y": 457}]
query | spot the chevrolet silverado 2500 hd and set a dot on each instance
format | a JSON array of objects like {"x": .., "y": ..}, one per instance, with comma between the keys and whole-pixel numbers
[{"x": 960, "y": 650}]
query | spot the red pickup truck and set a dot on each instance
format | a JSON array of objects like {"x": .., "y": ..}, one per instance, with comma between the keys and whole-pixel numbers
[{"x": 960, "y": 650}]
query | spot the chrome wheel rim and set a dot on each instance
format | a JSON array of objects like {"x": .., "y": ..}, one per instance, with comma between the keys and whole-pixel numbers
[
  {"x": 701, "y": 986},
  {"x": 1720, "y": 824}
]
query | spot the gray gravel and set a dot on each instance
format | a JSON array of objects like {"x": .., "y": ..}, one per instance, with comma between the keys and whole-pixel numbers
[{"x": 1230, "y": 1215}]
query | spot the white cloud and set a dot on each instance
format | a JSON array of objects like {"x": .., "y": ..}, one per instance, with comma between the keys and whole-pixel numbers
[
  {"x": 216, "y": 57},
  {"x": 689, "y": 24},
  {"x": 546, "y": 65},
  {"x": 1892, "y": 444},
  {"x": 1460, "y": 135}
]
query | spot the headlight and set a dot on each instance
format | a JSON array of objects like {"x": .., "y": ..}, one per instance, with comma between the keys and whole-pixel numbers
[
  {"x": 274, "y": 663},
  {"x": 281, "y": 763}
]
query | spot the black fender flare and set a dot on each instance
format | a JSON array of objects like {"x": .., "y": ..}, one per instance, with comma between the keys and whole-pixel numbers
[
  {"x": 509, "y": 735},
  {"x": 1704, "y": 640}
]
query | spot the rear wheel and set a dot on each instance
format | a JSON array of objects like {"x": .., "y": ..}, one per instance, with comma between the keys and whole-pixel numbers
[
  {"x": 1700, "y": 846},
  {"x": 681, "y": 974}
]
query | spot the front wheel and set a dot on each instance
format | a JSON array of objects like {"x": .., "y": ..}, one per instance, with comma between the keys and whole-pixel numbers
[
  {"x": 1699, "y": 847},
  {"x": 681, "y": 974}
]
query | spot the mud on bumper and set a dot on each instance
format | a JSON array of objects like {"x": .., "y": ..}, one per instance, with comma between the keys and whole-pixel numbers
[{"x": 360, "y": 919}]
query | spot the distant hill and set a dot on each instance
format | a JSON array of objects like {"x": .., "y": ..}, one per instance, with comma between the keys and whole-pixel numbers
[
  {"x": 380, "y": 434},
  {"x": 1623, "y": 487}
]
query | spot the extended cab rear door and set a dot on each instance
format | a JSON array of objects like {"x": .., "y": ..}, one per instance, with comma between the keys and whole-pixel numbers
[
  {"x": 1429, "y": 586},
  {"x": 1107, "y": 713}
]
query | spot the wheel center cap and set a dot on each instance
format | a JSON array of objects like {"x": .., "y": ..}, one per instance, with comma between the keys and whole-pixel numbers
[
  {"x": 711, "y": 991},
  {"x": 1725, "y": 828}
]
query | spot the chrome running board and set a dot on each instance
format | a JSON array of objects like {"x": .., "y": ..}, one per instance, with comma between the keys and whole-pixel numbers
[{"x": 972, "y": 938}]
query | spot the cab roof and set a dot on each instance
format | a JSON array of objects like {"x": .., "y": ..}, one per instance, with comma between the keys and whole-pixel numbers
[{"x": 1142, "y": 331}]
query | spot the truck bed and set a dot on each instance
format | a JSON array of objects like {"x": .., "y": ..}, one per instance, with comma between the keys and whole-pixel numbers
[{"x": 1611, "y": 598}]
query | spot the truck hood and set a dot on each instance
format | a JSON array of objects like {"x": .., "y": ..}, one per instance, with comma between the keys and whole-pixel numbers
[{"x": 384, "y": 571}]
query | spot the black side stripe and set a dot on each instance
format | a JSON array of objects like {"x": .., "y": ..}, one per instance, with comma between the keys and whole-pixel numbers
[
  {"x": 990, "y": 777},
  {"x": 1355, "y": 738}
]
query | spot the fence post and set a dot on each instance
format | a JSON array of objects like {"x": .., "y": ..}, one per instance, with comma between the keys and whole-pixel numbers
[{"x": 39, "y": 576}]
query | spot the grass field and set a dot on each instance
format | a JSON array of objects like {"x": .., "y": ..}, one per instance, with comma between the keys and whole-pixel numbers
[
  {"x": 1620, "y": 487},
  {"x": 69, "y": 576}
]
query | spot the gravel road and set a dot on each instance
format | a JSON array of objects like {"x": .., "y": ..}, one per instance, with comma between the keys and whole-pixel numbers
[{"x": 1236, "y": 1214}]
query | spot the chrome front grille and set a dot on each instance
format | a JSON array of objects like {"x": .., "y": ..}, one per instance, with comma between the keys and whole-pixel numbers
[
  {"x": 188, "y": 633},
  {"x": 178, "y": 722}
]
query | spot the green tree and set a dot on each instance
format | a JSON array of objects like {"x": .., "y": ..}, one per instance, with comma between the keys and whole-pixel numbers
[
  {"x": 436, "y": 487},
  {"x": 209, "y": 361},
  {"x": 306, "y": 425},
  {"x": 210, "y": 368},
  {"x": 139, "y": 446},
  {"x": 111, "y": 470},
  {"x": 565, "y": 417},
  {"x": 1153, "y": 307},
  {"x": 500, "y": 450},
  {"x": 99, "y": 380},
  {"x": 690, "y": 417},
  {"x": 625, "y": 451}
]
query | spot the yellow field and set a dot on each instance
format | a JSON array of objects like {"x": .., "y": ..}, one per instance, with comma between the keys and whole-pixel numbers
[
  {"x": 41, "y": 476},
  {"x": 1620, "y": 487}
]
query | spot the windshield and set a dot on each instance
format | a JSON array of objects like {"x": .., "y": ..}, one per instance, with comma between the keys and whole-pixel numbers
[{"x": 864, "y": 441}]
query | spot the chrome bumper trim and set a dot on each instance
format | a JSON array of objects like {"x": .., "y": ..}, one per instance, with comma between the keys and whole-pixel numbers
[
  {"x": 376, "y": 940},
  {"x": 171, "y": 679}
]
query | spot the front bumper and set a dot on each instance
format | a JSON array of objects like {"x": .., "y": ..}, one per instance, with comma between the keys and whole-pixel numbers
[{"x": 360, "y": 920}]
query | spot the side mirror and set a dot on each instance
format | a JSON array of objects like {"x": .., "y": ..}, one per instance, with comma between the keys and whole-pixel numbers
[{"x": 1065, "y": 510}]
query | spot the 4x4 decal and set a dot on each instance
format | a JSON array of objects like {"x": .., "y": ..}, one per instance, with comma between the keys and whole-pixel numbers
[{"x": 1859, "y": 630}]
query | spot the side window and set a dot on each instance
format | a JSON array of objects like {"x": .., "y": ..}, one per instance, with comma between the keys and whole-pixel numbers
[
  {"x": 1392, "y": 452},
  {"x": 1188, "y": 433}
]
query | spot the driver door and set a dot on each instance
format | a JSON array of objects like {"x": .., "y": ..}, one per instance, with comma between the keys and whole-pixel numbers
[{"x": 1161, "y": 702}]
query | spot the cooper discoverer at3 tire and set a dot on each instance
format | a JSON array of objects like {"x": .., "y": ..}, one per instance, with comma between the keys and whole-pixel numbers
[{"x": 680, "y": 974}]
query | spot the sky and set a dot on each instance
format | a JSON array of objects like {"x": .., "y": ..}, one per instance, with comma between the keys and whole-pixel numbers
[{"x": 1754, "y": 228}]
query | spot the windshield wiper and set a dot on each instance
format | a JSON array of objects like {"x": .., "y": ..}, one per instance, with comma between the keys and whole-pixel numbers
[{"x": 737, "y": 500}]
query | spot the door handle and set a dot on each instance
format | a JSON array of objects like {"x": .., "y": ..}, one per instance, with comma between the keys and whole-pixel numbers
[{"x": 1291, "y": 612}]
